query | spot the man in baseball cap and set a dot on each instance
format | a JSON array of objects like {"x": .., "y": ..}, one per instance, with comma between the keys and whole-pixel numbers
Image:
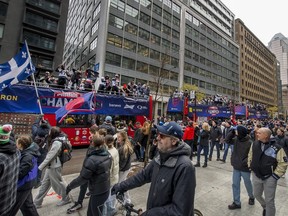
[{"x": 171, "y": 174}]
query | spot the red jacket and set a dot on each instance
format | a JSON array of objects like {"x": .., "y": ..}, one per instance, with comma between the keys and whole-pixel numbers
[{"x": 188, "y": 133}]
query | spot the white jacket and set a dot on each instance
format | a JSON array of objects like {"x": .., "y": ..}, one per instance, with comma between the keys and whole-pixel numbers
[{"x": 114, "y": 171}]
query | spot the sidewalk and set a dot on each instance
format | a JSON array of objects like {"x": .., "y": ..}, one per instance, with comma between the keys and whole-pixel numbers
[{"x": 213, "y": 195}]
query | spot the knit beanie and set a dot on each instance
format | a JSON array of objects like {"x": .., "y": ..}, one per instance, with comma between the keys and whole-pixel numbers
[{"x": 5, "y": 132}]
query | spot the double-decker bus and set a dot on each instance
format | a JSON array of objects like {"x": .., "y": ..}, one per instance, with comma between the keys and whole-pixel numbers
[{"x": 19, "y": 106}]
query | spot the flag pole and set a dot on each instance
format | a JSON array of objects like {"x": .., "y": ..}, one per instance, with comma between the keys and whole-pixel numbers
[{"x": 36, "y": 90}]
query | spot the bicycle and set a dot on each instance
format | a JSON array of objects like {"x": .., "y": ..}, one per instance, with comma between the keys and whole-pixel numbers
[{"x": 128, "y": 207}]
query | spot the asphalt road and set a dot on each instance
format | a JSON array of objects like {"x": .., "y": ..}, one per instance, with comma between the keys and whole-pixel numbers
[{"x": 75, "y": 164}]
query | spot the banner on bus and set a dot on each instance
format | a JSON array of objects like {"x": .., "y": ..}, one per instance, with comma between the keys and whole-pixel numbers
[{"x": 22, "y": 99}]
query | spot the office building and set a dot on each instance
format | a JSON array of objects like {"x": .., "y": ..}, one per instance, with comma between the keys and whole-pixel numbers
[
  {"x": 180, "y": 41},
  {"x": 258, "y": 68},
  {"x": 279, "y": 46},
  {"x": 41, "y": 23}
]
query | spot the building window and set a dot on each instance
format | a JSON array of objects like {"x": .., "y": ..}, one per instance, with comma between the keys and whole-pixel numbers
[
  {"x": 1, "y": 30},
  {"x": 86, "y": 38},
  {"x": 95, "y": 27},
  {"x": 118, "y": 4},
  {"x": 154, "y": 54},
  {"x": 146, "y": 3},
  {"x": 39, "y": 40},
  {"x": 133, "y": 12},
  {"x": 40, "y": 21},
  {"x": 153, "y": 70},
  {"x": 145, "y": 18},
  {"x": 114, "y": 40},
  {"x": 144, "y": 34},
  {"x": 87, "y": 24},
  {"x": 93, "y": 44},
  {"x": 84, "y": 54},
  {"x": 167, "y": 16},
  {"x": 155, "y": 39},
  {"x": 143, "y": 50},
  {"x": 142, "y": 67},
  {"x": 92, "y": 61},
  {"x": 3, "y": 9},
  {"x": 157, "y": 10},
  {"x": 166, "y": 29},
  {"x": 130, "y": 28},
  {"x": 97, "y": 10},
  {"x": 113, "y": 59},
  {"x": 156, "y": 24},
  {"x": 176, "y": 8},
  {"x": 116, "y": 21},
  {"x": 187, "y": 80},
  {"x": 130, "y": 45},
  {"x": 128, "y": 63}
]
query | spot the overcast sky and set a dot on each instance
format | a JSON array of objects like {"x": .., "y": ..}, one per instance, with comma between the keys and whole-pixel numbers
[{"x": 263, "y": 17}]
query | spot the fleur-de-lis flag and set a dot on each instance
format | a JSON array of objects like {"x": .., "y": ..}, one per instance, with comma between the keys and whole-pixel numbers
[{"x": 17, "y": 69}]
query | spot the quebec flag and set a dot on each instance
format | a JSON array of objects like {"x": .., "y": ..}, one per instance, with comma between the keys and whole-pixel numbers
[{"x": 17, "y": 69}]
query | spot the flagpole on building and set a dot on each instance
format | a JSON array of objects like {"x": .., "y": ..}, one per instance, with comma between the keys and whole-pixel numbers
[{"x": 36, "y": 90}]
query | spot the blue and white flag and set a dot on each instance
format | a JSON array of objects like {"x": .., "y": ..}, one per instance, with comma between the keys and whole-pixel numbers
[{"x": 17, "y": 69}]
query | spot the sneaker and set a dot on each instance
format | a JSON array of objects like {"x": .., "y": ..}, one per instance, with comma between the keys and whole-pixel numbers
[
  {"x": 223, "y": 161},
  {"x": 197, "y": 165},
  {"x": 234, "y": 206},
  {"x": 63, "y": 202},
  {"x": 210, "y": 159},
  {"x": 205, "y": 165},
  {"x": 251, "y": 201},
  {"x": 218, "y": 159},
  {"x": 77, "y": 206}
]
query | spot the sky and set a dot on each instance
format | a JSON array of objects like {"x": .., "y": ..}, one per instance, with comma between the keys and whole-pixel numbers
[{"x": 263, "y": 17}]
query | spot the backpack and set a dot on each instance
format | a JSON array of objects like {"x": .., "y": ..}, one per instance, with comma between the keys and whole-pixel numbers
[{"x": 65, "y": 151}]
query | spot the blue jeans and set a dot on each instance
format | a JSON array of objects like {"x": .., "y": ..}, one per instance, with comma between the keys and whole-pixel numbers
[
  {"x": 237, "y": 174},
  {"x": 213, "y": 143},
  {"x": 206, "y": 150},
  {"x": 226, "y": 150}
]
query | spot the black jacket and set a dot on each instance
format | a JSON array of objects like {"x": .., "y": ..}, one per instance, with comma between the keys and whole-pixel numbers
[
  {"x": 283, "y": 142},
  {"x": 95, "y": 171},
  {"x": 239, "y": 159},
  {"x": 229, "y": 135},
  {"x": 204, "y": 137},
  {"x": 264, "y": 162},
  {"x": 27, "y": 177},
  {"x": 9, "y": 169},
  {"x": 173, "y": 183},
  {"x": 124, "y": 161},
  {"x": 215, "y": 134}
]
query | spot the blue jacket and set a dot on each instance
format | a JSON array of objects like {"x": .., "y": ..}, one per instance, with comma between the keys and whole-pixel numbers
[{"x": 28, "y": 167}]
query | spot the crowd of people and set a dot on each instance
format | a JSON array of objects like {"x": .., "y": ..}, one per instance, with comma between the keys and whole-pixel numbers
[
  {"x": 259, "y": 150},
  {"x": 85, "y": 81}
]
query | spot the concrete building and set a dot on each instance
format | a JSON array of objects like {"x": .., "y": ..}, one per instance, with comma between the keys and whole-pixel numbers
[
  {"x": 181, "y": 41},
  {"x": 279, "y": 46},
  {"x": 41, "y": 22},
  {"x": 258, "y": 68}
]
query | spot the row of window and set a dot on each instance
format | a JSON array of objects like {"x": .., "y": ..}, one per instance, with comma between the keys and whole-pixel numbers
[
  {"x": 132, "y": 64},
  {"x": 35, "y": 39},
  {"x": 47, "y": 5},
  {"x": 209, "y": 86},
  {"x": 213, "y": 76},
  {"x": 41, "y": 21}
]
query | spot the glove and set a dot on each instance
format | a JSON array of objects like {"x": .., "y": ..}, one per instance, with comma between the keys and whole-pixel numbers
[
  {"x": 116, "y": 189},
  {"x": 68, "y": 189}
]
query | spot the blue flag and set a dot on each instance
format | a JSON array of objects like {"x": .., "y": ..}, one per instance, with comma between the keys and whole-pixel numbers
[
  {"x": 17, "y": 69},
  {"x": 80, "y": 104}
]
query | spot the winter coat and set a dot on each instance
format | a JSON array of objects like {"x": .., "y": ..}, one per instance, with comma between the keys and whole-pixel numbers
[
  {"x": 52, "y": 159},
  {"x": 204, "y": 137},
  {"x": 188, "y": 133},
  {"x": 229, "y": 135},
  {"x": 114, "y": 171},
  {"x": 95, "y": 171},
  {"x": 9, "y": 169},
  {"x": 124, "y": 161},
  {"x": 215, "y": 134},
  {"x": 110, "y": 129},
  {"x": 28, "y": 167},
  {"x": 272, "y": 161},
  {"x": 283, "y": 142},
  {"x": 173, "y": 183},
  {"x": 239, "y": 159}
]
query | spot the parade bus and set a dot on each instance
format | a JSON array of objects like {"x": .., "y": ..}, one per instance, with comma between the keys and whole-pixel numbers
[{"x": 19, "y": 106}]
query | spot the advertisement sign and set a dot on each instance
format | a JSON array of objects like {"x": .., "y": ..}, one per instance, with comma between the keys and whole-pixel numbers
[
  {"x": 22, "y": 99},
  {"x": 175, "y": 105}
]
